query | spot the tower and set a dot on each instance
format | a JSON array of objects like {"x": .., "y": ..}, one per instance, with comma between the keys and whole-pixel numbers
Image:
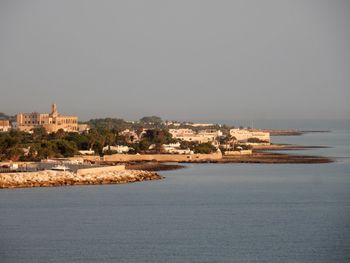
[{"x": 54, "y": 111}]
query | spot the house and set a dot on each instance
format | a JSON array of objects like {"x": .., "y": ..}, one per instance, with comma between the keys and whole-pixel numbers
[
  {"x": 189, "y": 135},
  {"x": 130, "y": 135},
  {"x": 5, "y": 125},
  {"x": 243, "y": 135},
  {"x": 175, "y": 149},
  {"x": 118, "y": 148},
  {"x": 83, "y": 128}
]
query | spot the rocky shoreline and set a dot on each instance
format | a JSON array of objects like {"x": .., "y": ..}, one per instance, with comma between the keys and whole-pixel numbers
[
  {"x": 153, "y": 166},
  {"x": 59, "y": 178},
  {"x": 257, "y": 158},
  {"x": 277, "y": 158}
]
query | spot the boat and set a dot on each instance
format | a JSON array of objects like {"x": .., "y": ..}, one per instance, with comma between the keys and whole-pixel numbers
[{"x": 60, "y": 168}]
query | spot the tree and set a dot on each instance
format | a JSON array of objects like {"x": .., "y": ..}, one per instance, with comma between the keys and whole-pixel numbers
[
  {"x": 151, "y": 120},
  {"x": 158, "y": 136},
  {"x": 254, "y": 140},
  {"x": 112, "y": 124},
  {"x": 80, "y": 140},
  {"x": 204, "y": 148},
  {"x": 65, "y": 148},
  {"x": 39, "y": 133}
]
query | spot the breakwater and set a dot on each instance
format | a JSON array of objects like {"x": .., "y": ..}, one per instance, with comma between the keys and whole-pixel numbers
[{"x": 105, "y": 175}]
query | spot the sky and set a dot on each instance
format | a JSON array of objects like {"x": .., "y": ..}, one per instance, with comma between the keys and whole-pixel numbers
[{"x": 183, "y": 59}]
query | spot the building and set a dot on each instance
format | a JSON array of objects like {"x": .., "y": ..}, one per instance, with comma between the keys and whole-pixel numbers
[
  {"x": 117, "y": 148},
  {"x": 130, "y": 136},
  {"x": 174, "y": 148},
  {"x": 83, "y": 128},
  {"x": 87, "y": 152},
  {"x": 242, "y": 135},
  {"x": 172, "y": 123},
  {"x": 202, "y": 124},
  {"x": 211, "y": 133},
  {"x": 179, "y": 133},
  {"x": 189, "y": 135},
  {"x": 52, "y": 122},
  {"x": 5, "y": 125}
]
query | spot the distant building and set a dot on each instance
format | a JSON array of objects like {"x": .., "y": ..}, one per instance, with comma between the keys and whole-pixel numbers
[
  {"x": 83, "y": 128},
  {"x": 87, "y": 152},
  {"x": 118, "y": 148},
  {"x": 189, "y": 135},
  {"x": 211, "y": 133},
  {"x": 175, "y": 148},
  {"x": 52, "y": 122},
  {"x": 201, "y": 124},
  {"x": 242, "y": 135},
  {"x": 172, "y": 123},
  {"x": 5, "y": 125},
  {"x": 130, "y": 136}
]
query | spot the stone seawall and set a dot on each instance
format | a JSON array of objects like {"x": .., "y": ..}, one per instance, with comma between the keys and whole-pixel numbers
[
  {"x": 105, "y": 169},
  {"x": 60, "y": 178},
  {"x": 155, "y": 157}
]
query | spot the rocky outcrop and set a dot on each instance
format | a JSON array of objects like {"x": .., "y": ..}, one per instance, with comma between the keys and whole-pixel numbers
[{"x": 59, "y": 178}]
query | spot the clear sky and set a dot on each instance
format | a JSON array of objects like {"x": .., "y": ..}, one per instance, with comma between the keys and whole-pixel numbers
[{"x": 182, "y": 59}]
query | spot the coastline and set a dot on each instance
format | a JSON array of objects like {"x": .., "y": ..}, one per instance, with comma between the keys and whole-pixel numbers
[
  {"x": 287, "y": 147},
  {"x": 49, "y": 178},
  {"x": 153, "y": 166},
  {"x": 277, "y": 158},
  {"x": 139, "y": 171},
  {"x": 121, "y": 169}
]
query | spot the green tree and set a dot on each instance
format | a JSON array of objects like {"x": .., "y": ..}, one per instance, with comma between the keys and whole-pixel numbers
[
  {"x": 151, "y": 120},
  {"x": 204, "y": 148},
  {"x": 39, "y": 134}
]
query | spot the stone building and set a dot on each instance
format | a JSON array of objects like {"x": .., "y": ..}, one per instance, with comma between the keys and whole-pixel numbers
[
  {"x": 52, "y": 122},
  {"x": 4, "y": 125}
]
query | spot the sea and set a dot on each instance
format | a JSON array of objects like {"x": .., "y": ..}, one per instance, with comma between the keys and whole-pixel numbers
[{"x": 202, "y": 213}]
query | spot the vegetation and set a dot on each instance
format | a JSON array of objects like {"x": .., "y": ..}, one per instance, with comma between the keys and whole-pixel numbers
[
  {"x": 151, "y": 120},
  {"x": 204, "y": 148},
  {"x": 151, "y": 134},
  {"x": 109, "y": 124},
  {"x": 16, "y": 145},
  {"x": 255, "y": 140},
  {"x": 198, "y": 147}
]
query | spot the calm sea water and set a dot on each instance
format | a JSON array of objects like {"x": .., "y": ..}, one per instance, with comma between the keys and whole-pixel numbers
[{"x": 204, "y": 213}]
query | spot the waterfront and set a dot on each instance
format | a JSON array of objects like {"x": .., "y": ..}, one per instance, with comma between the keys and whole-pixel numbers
[{"x": 203, "y": 213}]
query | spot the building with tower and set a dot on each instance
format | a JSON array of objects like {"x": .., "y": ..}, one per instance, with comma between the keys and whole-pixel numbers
[{"x": 52, "y": 122}]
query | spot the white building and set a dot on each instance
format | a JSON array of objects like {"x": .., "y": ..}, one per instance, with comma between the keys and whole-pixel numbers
[
  {"x": 118, "y": 148},
  {"x": 189, "y": 135},
  {"x": 83, "y": 128},
  {"x": 130, "y": 135},
  {"x": 87, "y": 152},
  {"x": 200, "y": 124},
  {"x": 242, "y": 135},
  {"x": 175, "y": 148}
]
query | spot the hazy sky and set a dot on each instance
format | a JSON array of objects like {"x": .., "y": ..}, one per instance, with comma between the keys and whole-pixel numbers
[{"x": 177, "y": 59}]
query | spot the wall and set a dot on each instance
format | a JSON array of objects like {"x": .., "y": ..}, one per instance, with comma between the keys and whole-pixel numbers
[
  {"x": 155, "y": 157},
  {"x": 242, "y": 152},
  {"x": 105, "y": 169}
]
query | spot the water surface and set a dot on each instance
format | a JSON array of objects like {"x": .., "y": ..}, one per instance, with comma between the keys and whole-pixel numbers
[{"x": 204, "y": 213}]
